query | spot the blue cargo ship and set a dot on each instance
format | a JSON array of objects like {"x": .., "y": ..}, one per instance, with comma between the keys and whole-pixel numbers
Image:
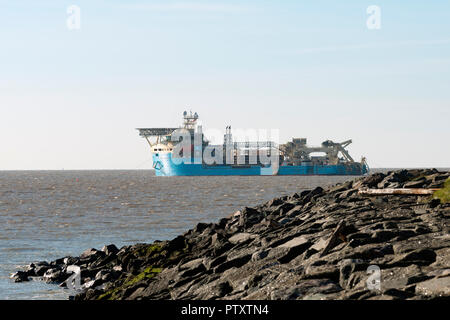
[{"x": 185, "y": 151}]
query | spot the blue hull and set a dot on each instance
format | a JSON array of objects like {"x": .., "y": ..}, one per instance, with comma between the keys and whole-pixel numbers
[{"x": 164, "y": 166}]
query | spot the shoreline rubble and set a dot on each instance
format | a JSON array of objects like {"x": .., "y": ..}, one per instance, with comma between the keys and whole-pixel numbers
[{"x": 315, "y": 244}]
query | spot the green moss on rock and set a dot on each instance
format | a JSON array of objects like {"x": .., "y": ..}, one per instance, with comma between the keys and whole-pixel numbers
[
  {"x": 151, "y": 248},
  {"x": 148, "y": 273},
  {"x": 109, "y": 295},
  {"x": 444, "y": 193}
]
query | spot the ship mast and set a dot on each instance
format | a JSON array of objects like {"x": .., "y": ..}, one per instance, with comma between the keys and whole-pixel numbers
[{"x": 189, "y": 120}]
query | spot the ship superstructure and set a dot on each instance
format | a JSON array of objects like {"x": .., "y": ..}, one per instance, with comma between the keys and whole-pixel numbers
[{"x": 185, "y": 151}]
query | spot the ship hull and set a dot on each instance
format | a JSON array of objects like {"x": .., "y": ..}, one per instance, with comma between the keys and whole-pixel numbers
[{"x": 164, "y": 166}]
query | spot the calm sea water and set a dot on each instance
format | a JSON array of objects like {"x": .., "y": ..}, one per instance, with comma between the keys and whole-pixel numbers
[{"x": 46, "y": 215}]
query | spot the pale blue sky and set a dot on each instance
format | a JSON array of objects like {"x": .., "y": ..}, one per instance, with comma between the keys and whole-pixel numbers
[{"x": 71, "y": 99}]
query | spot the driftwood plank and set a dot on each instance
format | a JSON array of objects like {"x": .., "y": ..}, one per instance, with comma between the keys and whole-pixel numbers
[{"x": 392, "y": 191}]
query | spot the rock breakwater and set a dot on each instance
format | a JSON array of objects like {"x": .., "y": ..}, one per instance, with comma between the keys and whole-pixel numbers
[{"x": 315, "y": 244}]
